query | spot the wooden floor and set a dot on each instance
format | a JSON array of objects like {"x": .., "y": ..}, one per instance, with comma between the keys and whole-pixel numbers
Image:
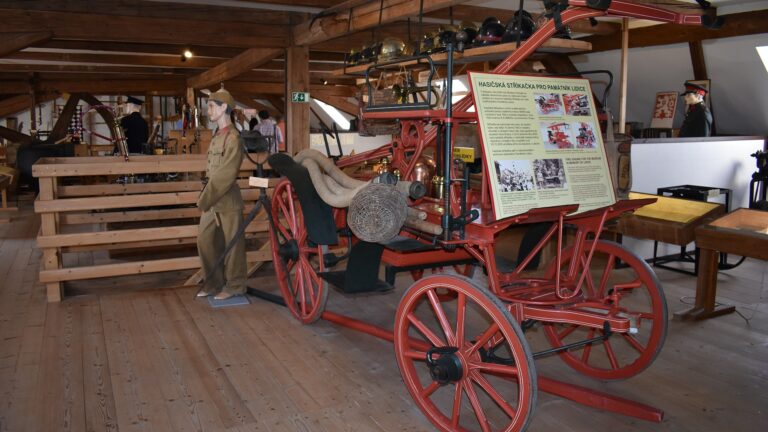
[{"x": 128, "y": 355}]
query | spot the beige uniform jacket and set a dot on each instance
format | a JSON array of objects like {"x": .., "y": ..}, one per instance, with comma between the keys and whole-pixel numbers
[{"x": 225, "y": 155}]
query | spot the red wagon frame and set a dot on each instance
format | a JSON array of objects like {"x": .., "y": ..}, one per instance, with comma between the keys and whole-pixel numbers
[{"x": 450, "y": 368}]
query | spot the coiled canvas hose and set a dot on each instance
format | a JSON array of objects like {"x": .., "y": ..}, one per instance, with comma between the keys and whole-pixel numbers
[{"x": 377, "y": 211}]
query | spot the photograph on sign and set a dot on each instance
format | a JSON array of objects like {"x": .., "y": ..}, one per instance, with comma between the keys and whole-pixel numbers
[
  {"x": 514, "y": 175},
  {"x": 541, "y": 141},
  {"x": 548, "y": 104},
  {"x": 576, "y": 105}
]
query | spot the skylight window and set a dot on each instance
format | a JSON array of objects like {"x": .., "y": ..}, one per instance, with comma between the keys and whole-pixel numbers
[
  {"x": 762, "y": 51},
  {"x": 337, "y": 117}
]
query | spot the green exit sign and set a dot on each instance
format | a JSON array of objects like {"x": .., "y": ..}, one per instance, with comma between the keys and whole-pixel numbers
[{"x": 301, "y": 97}]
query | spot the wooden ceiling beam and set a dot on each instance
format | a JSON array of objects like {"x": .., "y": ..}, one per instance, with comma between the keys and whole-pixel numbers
[
  {"x": 124, "y": 59},
  {"x": 65, "y": 25},
  {"x": 231, "y": 68},
  {"x": 321, "y": 91},
  {"x": 12, "y": 42},
  {"x": 279, "y": 89},
  {"x": 59, "y": 130},
  {"x": 322, "y": 4},
  {"x": 96, "y": 76},
  {"x": 740, "y": 24},
  {"x": 15, "y": 104},
  {"x": 278, "y": 77},
  {"x": 249, "y": 101},
  {"x": 107, "y": 115},
  {"x": 154, "y": 65},
  {"x": 15, "y": 86},
  {"x": 14, "y": 136},
  {"x": 110, "y": 86},
  {"x": 362, "y": 17},
  {"x": 170, "y": 49},
  {"x": 135, "y": 47},
  {"x": 697, "y": 60},
  {"x": 78, "y": 69},
  {"x": 276, "y": 101},
  {"x": 160, "y": 10}
]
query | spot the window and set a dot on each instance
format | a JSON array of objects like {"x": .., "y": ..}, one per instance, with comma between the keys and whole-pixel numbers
[
  {"x": 335, "y": 115},
  {"x": 762, "y": 51}
]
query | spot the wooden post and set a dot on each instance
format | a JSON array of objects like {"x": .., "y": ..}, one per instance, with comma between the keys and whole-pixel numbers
[
  {"x": 48, "y": 227},
  {"x": 297, "y": 113},
  {"x": 697, "y": 60},
  {"x": 32, "y": 114},
  {"x": 623, "y": 83},
  {"x": 150, "y": 110},
  {"x": 700, "y": 73},
  {"x": 190, "y": 97}
]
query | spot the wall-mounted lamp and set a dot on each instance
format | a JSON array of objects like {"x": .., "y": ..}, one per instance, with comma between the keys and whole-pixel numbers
[
  {"x": 324, "y": 81},
  {"x": 187, "y": 54}
]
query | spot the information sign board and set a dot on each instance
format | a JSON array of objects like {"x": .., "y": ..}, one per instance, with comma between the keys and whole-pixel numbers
[{"x": 541, "y": 143}]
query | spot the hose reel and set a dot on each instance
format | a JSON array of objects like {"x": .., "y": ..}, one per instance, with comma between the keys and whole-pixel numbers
[{"x": 377, "y": 210}]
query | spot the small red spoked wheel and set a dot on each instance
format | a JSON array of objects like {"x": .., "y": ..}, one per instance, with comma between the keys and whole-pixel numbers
[
  {"x": 441, "y": 345},
  {"x": 297, "y": 262},
  {"x": 632, "y": 292}
]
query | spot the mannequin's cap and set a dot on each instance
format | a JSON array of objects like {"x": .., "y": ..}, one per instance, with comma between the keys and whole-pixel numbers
[
  {"x": 222, "y": 96},
  {"x": 695, "y": 88},
  {"x": 133, "y": 100}
]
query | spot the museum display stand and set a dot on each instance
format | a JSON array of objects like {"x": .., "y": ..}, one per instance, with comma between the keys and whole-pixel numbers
[
  {"x": 668, "y": 220},
  {"x": 743, "y": 232}
]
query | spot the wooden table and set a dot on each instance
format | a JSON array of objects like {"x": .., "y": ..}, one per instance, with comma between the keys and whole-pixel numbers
[
  {"x": 743, "y": 232},
  {"x": 668, "y": 220}
]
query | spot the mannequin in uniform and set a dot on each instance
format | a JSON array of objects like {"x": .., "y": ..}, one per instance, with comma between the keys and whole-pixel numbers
[
  {"x": 221, "y": 205},
  {"x": 134, "y": 126},
  {"x": 698, "y": 119}
]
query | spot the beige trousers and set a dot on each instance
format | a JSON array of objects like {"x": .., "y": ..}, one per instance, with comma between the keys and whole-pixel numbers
[{"x": 215, "y": 231}]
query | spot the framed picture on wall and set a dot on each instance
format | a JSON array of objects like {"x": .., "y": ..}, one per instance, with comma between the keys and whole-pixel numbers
[
  {"x": 707, "y": 84},
  {"x": 664, "y": 110}
]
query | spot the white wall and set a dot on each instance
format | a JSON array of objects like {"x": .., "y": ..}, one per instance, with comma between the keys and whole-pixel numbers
[
  {"x": 739, "y": 81},
  {"x": 711, "y": 162}
]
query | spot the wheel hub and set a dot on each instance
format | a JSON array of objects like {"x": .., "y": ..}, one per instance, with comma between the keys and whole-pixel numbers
[
  {"x": 447, "y": 367},
  {"x": 289, "y": 250}
]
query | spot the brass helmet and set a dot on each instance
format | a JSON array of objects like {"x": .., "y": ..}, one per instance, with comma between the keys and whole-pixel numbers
[
  {"x": 352, "y": 58},
  {"x": 391, "y": 48},
  {"x": 369, "y": 53},
  {"x": 427, "y": 43}
]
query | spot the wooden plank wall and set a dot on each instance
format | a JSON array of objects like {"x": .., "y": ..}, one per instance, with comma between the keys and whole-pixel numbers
[{"x": 78, "y": 217}]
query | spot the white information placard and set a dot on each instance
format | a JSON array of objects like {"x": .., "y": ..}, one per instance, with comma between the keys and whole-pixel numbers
[{"x": 541, "y": 143}]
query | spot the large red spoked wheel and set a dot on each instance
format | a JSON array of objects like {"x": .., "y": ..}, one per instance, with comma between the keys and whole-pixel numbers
[
  {"x": 441, "y": 344},
  {"x": 296, "y": 261},
  {"x": 632, "y": 292}
]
